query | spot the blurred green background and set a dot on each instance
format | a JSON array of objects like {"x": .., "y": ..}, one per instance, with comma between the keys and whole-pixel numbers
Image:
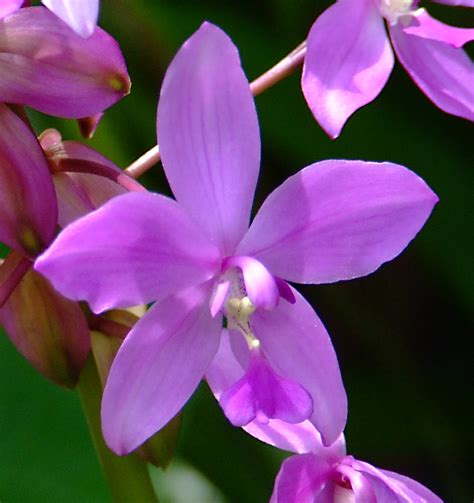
[{"x": 403, "y": 335}]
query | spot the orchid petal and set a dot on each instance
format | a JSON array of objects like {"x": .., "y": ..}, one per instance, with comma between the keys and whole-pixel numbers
[
  {"x": 158, "y": 367},
  {"x": 262, "y": 394},
  {"x": 260, "y": 285},
  {"x": 133, "y": 250},
  {"x": 300, "y": 479},
  {"x": 47, "y": 329},
  {"x": 298, "y": 347},
  {"x": 225, "y": 370},
  {"x": 460, "y": 3},
  {"x": 209, "y": 137},
  {"x": 421, "y": 24},
  {"x": 338, "y": 220},
  {"x": 9, "y": 6},
  {"x": 444, "y": 73},
  {"x": 43, "y": 64},
  {"x": 80, "y": 16},
  {"x": 415, "y": 487},
  {"x": 29, "y": 211},
  {"x": 347, "y": 64}
]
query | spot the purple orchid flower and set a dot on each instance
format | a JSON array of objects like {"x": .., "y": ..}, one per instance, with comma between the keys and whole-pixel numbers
[
  {"x": 199, "y": 260},
  {"x": 349, "y": 58},
  {"x": 45, "y": 65},
  {"x": 328, "y": 475}
]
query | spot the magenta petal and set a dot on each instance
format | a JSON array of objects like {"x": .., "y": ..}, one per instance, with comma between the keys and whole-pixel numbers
[
  {"x": 9, "y": 6},
  {"x": 422, "y": 25},
  {"x": 225, "y": 370},
  {"x": 158, "y": 367},
  {"x": 444, "y": 73},
  {"x": 45, "y": 65},
  {"x": 260, "y": 285},
  {"x": 29, "y": 211},
  {"x": 338, "y": 220},
  {"x": 300, "y": 479},
  {"x": 209, "y": 137},
  {"x": 80, "y": 16},
  {"x": 264, "y": 395},
  {"x": 298, "y": 347},
  {"x": 347, "y": 64},
  {"x": 137, "y": 248}
]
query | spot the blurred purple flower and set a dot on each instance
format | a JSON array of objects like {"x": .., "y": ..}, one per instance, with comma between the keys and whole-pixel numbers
[
  {"x": 199, "y": 260},
  {"x": 349, "y": 58},
  {"x": 45, "y": 65},
  {"x": 328, "y": 475}
]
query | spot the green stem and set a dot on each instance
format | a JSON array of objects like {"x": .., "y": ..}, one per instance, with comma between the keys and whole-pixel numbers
[{"x": 127, "y": 476}]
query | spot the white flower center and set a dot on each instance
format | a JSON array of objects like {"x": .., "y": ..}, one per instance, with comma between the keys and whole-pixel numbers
[
  {"x": 238, "y": 309},
  {"x": 391, "y": 10}
]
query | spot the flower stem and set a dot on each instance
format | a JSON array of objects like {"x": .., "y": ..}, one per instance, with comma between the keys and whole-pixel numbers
[
  {"x": 275, "y": 74},
  {"x": 281, "y": 70},
  {"x": 144, "y": 163},
  {"x": 127, "y": 476}
]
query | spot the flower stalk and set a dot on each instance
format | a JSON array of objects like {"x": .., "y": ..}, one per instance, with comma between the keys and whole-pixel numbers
[{"x": 127, "y": 476}]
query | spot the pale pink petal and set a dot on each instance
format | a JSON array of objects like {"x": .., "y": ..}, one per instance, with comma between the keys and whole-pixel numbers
[
  {"x": 389, "y": 486},
  {"x": 219, "y": 294},
  {"x": 157, "y": 368},
  {"x": 9, "y": 6},
  {"x": 298, "y": 347},
  {"x": 137, "y": 248},
  {"x": 444, "y": 73},
  {"x": 209, "y": 137},
  {"x": 260, "y": 285},
  {"x": 28, "y": 207},
  {"x": 421, "y": 24},
  {"x": 80, "y": 15},
  {"x": 347, "y": 64},
  {"x": 414, "y": 486},
  {"x": 338, "y": 220},
  {"x": 300, "y": 479}
]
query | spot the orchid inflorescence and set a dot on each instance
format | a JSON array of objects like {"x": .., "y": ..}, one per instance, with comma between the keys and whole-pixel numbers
[{"x": 88, "y": 242}]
